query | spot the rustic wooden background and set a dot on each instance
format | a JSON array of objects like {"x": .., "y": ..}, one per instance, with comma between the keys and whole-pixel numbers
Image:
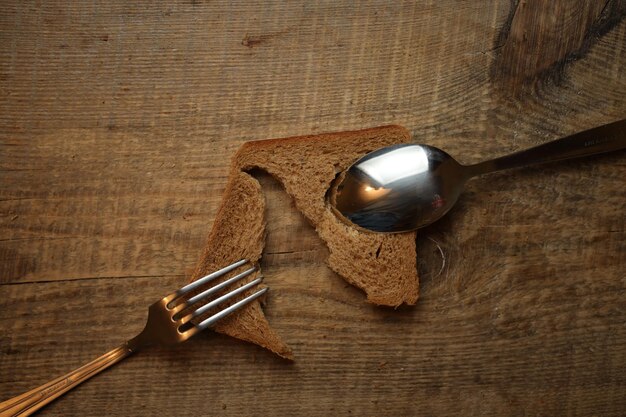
[{"x": 117, "y": 122}]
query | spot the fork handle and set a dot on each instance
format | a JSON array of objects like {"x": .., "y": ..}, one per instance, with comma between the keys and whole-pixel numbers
[{"x": 31, "y": 401}]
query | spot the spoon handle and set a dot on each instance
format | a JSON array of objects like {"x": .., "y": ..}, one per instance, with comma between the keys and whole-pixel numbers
[{"x": 610, "y": 137}]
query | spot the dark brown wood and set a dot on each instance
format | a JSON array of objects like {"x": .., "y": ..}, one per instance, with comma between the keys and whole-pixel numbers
[
  {"x": 117, "y": 123},
  {"x": 542, "y": 37}
]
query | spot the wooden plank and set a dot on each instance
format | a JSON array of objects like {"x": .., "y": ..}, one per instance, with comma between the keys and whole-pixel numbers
[
  {"x": 117, "y": 123},
  {"x": 522, "y": 337}
]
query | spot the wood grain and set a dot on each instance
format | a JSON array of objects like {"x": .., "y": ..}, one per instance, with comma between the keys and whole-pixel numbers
[
  {"x": 117, "y": 123},
  {"x": 568, "y": 28}
]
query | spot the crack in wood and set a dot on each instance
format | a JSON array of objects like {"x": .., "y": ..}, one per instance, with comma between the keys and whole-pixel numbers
[{"x": 81, "y": 279}]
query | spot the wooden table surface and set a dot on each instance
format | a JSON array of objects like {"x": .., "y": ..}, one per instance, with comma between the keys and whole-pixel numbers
[{"x": 117, "y": 123}]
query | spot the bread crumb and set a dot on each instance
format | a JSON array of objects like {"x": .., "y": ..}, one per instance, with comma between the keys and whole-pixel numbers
[{"x": 443, "y": 256}]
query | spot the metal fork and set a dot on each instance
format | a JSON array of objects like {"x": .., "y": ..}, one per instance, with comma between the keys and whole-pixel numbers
[{"x": 167, "y": 325}]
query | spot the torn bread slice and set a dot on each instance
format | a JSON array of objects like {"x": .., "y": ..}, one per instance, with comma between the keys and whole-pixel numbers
[{"x": 382, "y": 265}]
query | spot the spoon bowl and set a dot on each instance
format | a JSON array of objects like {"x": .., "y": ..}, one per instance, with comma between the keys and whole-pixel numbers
[
  {"x": 401, "y": 187},
  {"x": 405, "y": 187}
]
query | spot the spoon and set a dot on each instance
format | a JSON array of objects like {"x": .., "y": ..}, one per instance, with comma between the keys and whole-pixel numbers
[{"x": 405, "y": 187}]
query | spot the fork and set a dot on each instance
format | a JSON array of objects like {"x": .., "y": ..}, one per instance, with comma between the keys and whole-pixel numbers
[{"x": 167, "y": 324}]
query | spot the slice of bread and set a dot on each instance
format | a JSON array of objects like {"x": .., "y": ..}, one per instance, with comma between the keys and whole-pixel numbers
[{"x": 382, "y": 265}]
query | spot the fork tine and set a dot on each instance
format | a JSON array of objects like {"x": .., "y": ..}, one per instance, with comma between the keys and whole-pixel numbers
[
  {"x": 220, "y": 300},
  {"x": 218, "y": 316},
  {"x": 208, "y": 278},
  {"x": 204, "y": 294}
]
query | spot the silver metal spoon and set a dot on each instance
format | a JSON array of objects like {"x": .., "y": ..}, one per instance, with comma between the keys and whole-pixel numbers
[{"x": 404, "y": 187}]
